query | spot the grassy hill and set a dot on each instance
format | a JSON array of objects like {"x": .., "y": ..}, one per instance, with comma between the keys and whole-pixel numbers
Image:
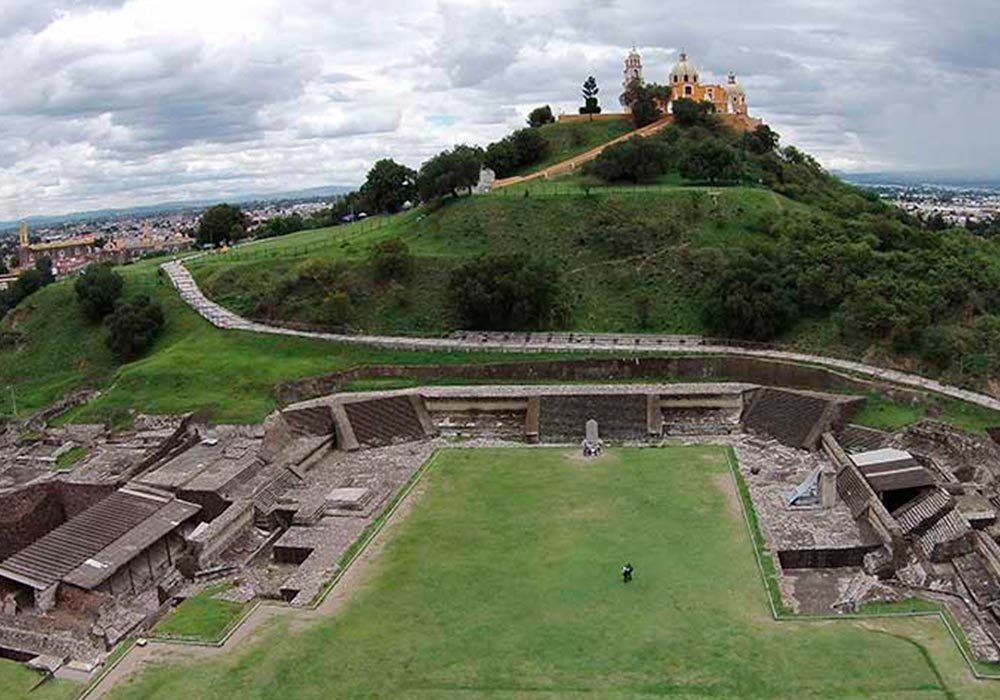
[
  {"x": 777, "y": 251},
  {"x": 817, "y": 263},
  {"x": 50, "y": 350},
  {"x": 623, "y": 257},
  {"x": 569, "y": 139}
]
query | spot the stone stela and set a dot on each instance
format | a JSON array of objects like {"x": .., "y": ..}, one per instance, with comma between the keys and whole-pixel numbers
[{"x": 592, "y": 444}]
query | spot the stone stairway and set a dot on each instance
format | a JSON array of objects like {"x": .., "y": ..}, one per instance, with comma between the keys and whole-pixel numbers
[
  {"x": 384, "y": 421},
  {"x": 794, "y": 419},
  {"x": 857, "y": 438},
  {"x": 309, "y": 421},
  {"x": 918, "y": 517}
]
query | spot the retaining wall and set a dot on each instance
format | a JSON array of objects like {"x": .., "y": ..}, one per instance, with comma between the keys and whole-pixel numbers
[
  {"x": 33, "y": 511},
  {"x": 754, "y": 370}
]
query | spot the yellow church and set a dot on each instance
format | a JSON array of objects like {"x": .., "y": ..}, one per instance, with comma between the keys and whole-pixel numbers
[{"x": 684, "y": 81}]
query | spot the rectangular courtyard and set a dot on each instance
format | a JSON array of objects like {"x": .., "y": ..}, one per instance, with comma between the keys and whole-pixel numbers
[{"x": 500, "y": 578}]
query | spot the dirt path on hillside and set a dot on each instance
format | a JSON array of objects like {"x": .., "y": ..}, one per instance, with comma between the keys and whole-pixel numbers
[{"x": 361, "y": 571}]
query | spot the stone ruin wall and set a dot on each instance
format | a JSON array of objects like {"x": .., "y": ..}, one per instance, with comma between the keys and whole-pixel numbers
[
  {"x": 29, "y": 513},
  {"x": 752, "y": 370}
]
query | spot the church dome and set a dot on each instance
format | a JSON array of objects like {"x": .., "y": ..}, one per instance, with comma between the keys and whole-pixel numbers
[{"x": 683, "y": 71}]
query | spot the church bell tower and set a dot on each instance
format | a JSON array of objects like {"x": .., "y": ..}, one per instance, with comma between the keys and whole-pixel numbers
[{"x": 632, "y": 71}]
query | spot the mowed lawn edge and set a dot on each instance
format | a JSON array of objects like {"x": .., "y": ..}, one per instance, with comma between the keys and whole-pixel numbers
[{"x": 329, "y": 630}]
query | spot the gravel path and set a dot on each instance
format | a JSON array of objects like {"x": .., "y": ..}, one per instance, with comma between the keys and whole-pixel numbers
[{"x": 557, "y": 342}]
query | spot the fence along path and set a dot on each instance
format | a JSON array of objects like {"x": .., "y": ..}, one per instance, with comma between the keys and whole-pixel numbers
[{"x": 222, "y": 318}]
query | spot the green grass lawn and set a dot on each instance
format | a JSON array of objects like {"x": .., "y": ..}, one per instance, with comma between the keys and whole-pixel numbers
[
  {"x": 193, "y": 366},
  {"x": 503, "y": 582},
  {"x": 203, "y": 617},
  {"x": 569, "y": 139},
  {"x": 625, "y": 255},
  {"x": 70, "y": 457},
  {"x": 883, "y": 414},
  {"x": 17, "y": 680}
]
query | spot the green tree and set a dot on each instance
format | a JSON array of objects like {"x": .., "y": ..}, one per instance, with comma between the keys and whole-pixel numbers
[
  {"x": 762, "y": 140},
  {"x": 645, "y": 107},
  {"x": 523, "y": 147},
  {"x": 449, "y": 172},
  {"x": 501, "y": 157},
  {"x": 529, "y": 145},
  {"x": 281, "y": 226},
  {"x": 688, "y": 112},
  {"x": 46, "y": 270},
  {"x": 749, "y": 300},
  {"x": 132, "y": 328},
  {"x": 639, "y": 160},
  {"x": 389, "y": 185},
  {"x": 220, "y": 224},
  {"x": 97, "y": 291},
  {"x": 540, "y": 116},
  {"x": 505, "y": 292},
  {"x": 391, "y": 260},
  {"x": 709, "y": 160},
  {"x": 26, "y": 284},
  {"x": 589, "y": 91}
]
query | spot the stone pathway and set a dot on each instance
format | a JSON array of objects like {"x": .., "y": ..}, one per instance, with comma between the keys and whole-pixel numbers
[{"x": 557, "y": 342}]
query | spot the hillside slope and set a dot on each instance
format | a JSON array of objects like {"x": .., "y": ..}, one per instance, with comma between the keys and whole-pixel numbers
[
  {"x": 49, "y": 350},
  {"x": 623, "y": 259},
  {"x": 799, "y": 257}
]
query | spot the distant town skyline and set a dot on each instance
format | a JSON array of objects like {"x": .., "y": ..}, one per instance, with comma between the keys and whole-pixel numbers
[{"x": 108, "y": 103}]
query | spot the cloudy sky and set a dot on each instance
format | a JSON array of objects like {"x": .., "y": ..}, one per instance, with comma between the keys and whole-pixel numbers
[{"x": 111, "y": 103}]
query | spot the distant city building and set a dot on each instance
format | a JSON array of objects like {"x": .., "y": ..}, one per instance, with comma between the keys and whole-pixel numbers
[
  {"x": 67, "y": 255},
  {"x": 125, "y": 248}
]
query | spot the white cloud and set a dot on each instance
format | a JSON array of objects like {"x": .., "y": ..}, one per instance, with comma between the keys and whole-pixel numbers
[{"x": 124, "y": 101}]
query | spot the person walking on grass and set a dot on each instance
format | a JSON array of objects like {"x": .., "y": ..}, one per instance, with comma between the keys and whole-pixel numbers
[{"x": 627, "y": 573}]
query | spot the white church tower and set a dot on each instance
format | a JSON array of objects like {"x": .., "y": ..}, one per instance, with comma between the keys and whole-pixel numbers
[{"x": 633, "y": 71}]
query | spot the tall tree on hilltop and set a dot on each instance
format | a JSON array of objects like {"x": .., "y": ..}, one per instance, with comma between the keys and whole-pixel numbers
[
  {"x": 221, "y": 223},
  {"x": 589, "y": 92},
  {"x": 388, "y": 186},
  {"x": 449, "y": 172},
  {"x": 540, "y": 116}
]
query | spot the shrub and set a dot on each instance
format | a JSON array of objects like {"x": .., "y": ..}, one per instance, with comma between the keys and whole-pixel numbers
[
  {"x": 97, "y": 290},
  {"x": 522, "y": 148},
  {"x": 391, "y": 261},
  {"x": 281, "y": 226},
  {"x": 709, "y": 160},
  {"x": 540, "y": 116},
  {"x": 505, "y": 292},
  {"x": 749, "y": 300},
  {"x": 132, "y": 328},
  {"x": 638, "y": 160},
  {"x": 688, "y": 112}
]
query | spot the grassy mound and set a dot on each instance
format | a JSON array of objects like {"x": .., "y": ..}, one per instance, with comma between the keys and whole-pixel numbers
[
  {"x": 504, "y": 582},
  {"x": 628, "y": 259},
  {"x": 569, "y": 139},
  {"x": 193, "y": 366}
]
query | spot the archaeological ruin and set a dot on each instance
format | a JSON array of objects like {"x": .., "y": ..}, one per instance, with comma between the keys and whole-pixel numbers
[{"x": 101, "y": 549}]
